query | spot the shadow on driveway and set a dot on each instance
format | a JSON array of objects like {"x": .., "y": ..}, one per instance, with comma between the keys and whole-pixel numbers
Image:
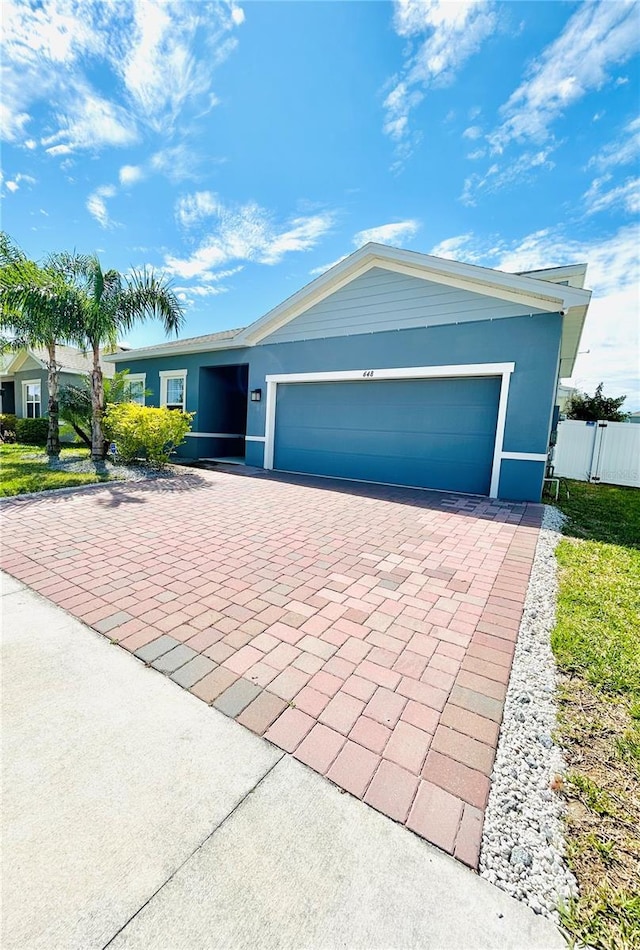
[{"x": 118, "y": 493}]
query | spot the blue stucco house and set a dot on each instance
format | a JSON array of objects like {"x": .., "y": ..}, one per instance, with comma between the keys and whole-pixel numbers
[{"x": 392, "y": 367}]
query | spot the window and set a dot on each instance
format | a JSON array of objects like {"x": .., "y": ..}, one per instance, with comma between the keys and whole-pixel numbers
[
  {"x": 31, "y": 399},
  {"x": 136, "y": 385},
  {"x": 173, "y": 389}
]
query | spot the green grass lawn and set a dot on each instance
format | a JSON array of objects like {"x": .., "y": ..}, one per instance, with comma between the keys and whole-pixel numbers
[
  {"x": 596, "y": 642},
  {"x": 25, "y": 468}
]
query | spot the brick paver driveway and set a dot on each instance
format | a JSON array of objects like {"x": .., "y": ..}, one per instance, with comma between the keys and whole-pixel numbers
[{"x": 369, "y": 632}]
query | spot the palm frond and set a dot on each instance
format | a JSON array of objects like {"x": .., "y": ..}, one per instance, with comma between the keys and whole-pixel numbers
[
  {"x": 148, "y": 294},
  {"x": 10, "y": 252}
]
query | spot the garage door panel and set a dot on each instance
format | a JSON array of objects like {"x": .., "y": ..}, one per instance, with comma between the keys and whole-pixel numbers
[
  {"x": 424, "y": 433},
  {"x": 409, "y": 443},
  {"x": 440, "y": 474}
]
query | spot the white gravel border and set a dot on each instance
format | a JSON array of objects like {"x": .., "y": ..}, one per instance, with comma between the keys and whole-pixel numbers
[{"x": 523, "y": 836}]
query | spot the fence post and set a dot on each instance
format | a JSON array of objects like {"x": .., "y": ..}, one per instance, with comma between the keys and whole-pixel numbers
[{"x": 598, "y": 455}]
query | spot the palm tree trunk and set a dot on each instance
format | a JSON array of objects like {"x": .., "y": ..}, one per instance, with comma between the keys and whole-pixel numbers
[
  {"x": 53, "y": 383},
  {"x": 81, "y": 435},
  {"x": 97, "y": 407}
]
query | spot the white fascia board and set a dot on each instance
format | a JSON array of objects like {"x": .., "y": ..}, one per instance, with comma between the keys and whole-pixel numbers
[
  {"x": 525, "y": 291},
  {"x": 574, "y": 273},
  {"x": 178, "y": 349},
  {"x": 572, "y": 327},
  {"x": 20, "y": 358},
  {"x": 23, "y": 355}
]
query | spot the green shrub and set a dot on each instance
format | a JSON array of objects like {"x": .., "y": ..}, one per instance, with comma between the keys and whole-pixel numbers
[
  {"x": 32, "y": 431},
  {"x": 142, "y": 432},
  {"x": 8, "y": 426}
]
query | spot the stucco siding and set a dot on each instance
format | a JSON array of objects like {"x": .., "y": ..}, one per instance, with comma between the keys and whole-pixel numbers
[
  {"x": 30, "y": 374},
  {"x": 383, "y": 300},
  {"x": 41, "y": 375},
  {"x": 531, "y": 342},
  {"x": 521, "y": 480}
]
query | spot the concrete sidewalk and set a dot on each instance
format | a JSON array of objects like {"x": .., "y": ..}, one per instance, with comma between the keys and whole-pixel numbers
[{"x": 135, "y": 816}]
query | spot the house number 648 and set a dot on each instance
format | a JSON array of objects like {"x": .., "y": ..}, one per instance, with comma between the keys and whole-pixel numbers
[{"x": 368, "y": 373}]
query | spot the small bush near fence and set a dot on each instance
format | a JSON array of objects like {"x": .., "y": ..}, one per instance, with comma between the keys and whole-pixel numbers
[
  {"x": 143, "y": 432},
  {"x": 32, "y": 431}
]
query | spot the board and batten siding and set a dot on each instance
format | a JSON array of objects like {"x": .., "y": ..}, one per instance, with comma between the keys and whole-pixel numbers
[{"x": 383, "y": 300}]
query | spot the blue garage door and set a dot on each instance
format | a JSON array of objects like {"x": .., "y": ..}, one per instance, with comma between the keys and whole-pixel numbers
[{"x": 423, "y": 433}]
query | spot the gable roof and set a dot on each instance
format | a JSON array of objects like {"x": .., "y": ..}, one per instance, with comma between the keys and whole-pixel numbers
[
  {"x": 545, "y": 294},
  {"x": 70, "y": 360}
]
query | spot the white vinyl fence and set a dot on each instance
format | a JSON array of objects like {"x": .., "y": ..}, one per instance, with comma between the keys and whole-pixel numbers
[{"x": 598, "y": 452}]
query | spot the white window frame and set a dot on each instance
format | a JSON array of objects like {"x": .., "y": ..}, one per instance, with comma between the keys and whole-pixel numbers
[
  {"x": 503, "y": 370},
  {"x": 136, "y": 378},
  {"x": 165, "y": 376},
  {"x": 25, "y": 384}
]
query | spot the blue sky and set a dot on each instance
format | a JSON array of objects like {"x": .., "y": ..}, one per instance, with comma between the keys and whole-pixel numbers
[{"x": 244, "y": 147}]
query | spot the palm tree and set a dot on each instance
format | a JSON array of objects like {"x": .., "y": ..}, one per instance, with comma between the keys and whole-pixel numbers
[
  {"x": 111, "y": 305},
  {"x": 38, "y": 308}
]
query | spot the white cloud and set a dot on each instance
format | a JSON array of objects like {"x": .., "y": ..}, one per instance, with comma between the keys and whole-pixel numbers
[
  {"x": 187, "y": 294},
  {"x": 302, "y": 235},
  {"x": 59, "y": 150},
  {"x": 14, "y": 184},
  {"x": 597, "y": 37},
  {"x": 612, "y": 329},
  {"x": 600, "y": 197},
  {"x": 212, "y": 288},
  {"x": 130, "y": 175},
  {"x": 192, "y": 209},
  {"x": 160, "y": 70},
  {"x": 237, "y": 15},
  {"x": 97, "y": 205},
  {"x": 12, "y": 123},
  {"x": 458, "y": 248},
  {"x": 442, "y": 36},
  {"x": 325, "y": 267},
  {"x": 473, "y": 132},
  {"x": 623, "y": 150},
  {"x": 499, "y": 176},
  {"x": 177, "y": 162},
  {"x": 394, "y": 233},
  {"x": 243, "y": 233},
  {"x": 90, "y": 122},
  {"x": 161, "y": 55}
]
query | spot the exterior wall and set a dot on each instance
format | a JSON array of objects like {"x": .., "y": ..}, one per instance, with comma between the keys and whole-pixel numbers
[
  {"x": 40, "y": 374},
  {"x": 384, "y": 300},
  {"x": 44, "y": 392},
  {"x": 532, "y": 342},
  {"x": 521, "y": 480}
]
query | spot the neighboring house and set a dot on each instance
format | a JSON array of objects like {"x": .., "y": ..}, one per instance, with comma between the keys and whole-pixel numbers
[
  {"x": 564, "y": 395},
  {"x": 634, "y": 417},
  {"x": 392, "y": 367},
  {"x": 23, "y": 377}
]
